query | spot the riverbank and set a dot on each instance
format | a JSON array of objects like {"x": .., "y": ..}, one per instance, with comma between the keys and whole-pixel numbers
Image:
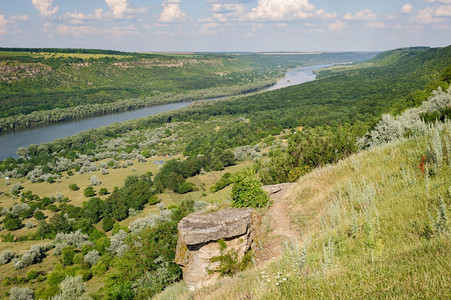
[{"x": 13, "y": 140}]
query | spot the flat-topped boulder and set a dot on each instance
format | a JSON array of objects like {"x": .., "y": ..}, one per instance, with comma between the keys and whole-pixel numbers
[
  {"x": 201, "y": 228},
  {"x": 197, "y": 243}
]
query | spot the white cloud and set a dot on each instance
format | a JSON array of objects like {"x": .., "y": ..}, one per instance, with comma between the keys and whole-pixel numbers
[
  {"x": 282, "y": 10},
  {"x": 3, "y": 24},
  {"x": 365, "y": 14},
  {"x": 426, "y": 16},
  {"x": 118, "y": 7},
  {"x": 78, "y": 17},
  {"x": 443, "y": 11},
  {"x": 224, "y": 11},
  {"x": 73, "y": 30},
  {"x": 171, "y": 11},
  {"x": 337, "y": 26},
  {"x": 45, "y": 7},
  {"x": 325, "y": 15},
  {"x": 19, "y": 18},
  {"x": 407, "y": 8},
  {"x": 375, "y": 25},
  {"x": 209, "y": 29}
]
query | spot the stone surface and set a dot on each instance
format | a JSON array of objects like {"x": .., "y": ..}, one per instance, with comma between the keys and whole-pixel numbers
[
  {"x": 276, "y": 188},
  {"x": 201, "y": 228},
  {"x": 197, "y": 242}
]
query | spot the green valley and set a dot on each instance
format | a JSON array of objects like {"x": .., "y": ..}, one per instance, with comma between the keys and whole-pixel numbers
[{"x": 367, "y": 147}]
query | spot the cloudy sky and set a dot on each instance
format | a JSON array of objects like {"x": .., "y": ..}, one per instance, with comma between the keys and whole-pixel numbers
[{"x": 225, "y": 25}]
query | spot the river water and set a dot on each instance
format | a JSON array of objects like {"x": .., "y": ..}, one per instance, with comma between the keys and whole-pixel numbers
[{"x": 9, "y": 142}]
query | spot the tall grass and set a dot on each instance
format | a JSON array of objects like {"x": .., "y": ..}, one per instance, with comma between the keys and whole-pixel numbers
[{"x": 384, "y": 234}]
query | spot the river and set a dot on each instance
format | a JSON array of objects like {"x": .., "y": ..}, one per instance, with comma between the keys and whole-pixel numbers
[{"x": 9, "y": 142}]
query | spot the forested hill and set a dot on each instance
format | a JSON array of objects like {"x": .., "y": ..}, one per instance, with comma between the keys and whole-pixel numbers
[{"x": 40, "y": 80}]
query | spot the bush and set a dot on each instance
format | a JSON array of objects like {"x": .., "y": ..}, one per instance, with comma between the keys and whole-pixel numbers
[
  {"x": 228, "y": 260},
  {"x": 73, "y": 187},
  {"x": 184, "y": 188},
  {"x": 32, "y": 274},
  {"x": 32, "y": 256},
  {"x": 92, "y": 257},
  {"x": 6, "y": 257},
  {"x": 73, "y": 288},
  {"x": 17, "y": 293},
  {"x": 76, "y": 239},
  {"x": 107, "y": 224},
  {"x": 94, "y": 180},
  {"x": 68, "y": 254},
  {"x": 89, "y": 192},
  {"x": 39, "y": 215},
  {"x": 103, "y": 191},
  {"x": 13, "y": 224},
  {"x": 247, "y": 192}
]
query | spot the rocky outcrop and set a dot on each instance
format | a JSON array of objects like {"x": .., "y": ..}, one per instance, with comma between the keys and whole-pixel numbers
[
  {"x": 197, "y": 242},
  {"x": 277, "y": 188}
]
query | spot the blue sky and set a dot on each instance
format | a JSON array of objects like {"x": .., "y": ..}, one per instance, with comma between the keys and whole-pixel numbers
[{"x": 225, "y": 25}]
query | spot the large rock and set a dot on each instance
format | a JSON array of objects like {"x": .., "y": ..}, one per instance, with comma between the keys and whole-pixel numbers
[{"x": 197, "y": 243}]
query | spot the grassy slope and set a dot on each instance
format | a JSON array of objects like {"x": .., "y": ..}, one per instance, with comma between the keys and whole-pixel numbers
[{"x": 390, "y": 254}]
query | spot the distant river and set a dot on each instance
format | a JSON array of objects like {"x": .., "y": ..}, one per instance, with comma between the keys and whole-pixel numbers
[{"x": 9, "y": 142}]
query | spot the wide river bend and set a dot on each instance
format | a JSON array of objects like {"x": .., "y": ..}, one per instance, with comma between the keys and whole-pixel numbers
[{"x": 9, "y": 142}]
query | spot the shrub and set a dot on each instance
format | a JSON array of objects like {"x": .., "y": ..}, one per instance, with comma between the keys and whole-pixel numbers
[
  {"x": 92, "y": 257},
  {"x": 89, "y": 192},
  {"x": 6, "y": 257},
  {"x": 247, "y": 192},
  {"x": 73, "y": 187},
  {"x": 32, "y": 256},
  {"x": 68, "y": 254},
  {"x": 107, "y": 224},
  {"x": 18, "y": 209},
  {"x": 39, "y": 215},
  {"x": 32, "y": 274},
  {"x": 228, "y": 260},
  {"x": 76, "y": 239},
  {"x": 16, "y": 188},
  {"x": 103, "y": 191},
  {"x": 17, "y": 293},
  {"x": 94, "y": 180},
  {"x": 73, "y": 288},
  {"x": 13, "y": 224},
  {"x": 117, "y": 245},
  {"x": 184, "y": 188}
]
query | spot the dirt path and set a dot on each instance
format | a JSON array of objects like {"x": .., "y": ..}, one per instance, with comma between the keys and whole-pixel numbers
[{"x": 280, "y": 229}]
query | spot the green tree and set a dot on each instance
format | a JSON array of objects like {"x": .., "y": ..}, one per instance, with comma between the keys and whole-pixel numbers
[{"x": 93, "y": 209}]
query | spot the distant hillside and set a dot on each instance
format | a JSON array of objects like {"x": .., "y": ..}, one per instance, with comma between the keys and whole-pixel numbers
[{"x": 46, "y": 79}]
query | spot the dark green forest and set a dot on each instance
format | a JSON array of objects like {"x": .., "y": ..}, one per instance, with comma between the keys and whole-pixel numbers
[{"x": 52, "y": 82}]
